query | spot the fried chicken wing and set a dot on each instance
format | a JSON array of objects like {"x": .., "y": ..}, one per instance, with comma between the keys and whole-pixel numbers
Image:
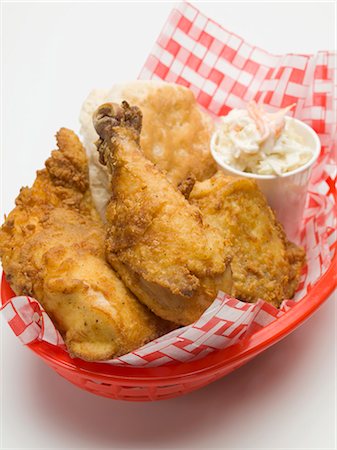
[
  {"x": 156, "y": 241},
  {"x": 52, "y": 248},
  {"x": 264, "y": 264}
]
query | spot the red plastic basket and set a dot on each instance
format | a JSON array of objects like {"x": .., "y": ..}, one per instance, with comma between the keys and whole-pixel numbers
[{"x": 159, "y": 383}]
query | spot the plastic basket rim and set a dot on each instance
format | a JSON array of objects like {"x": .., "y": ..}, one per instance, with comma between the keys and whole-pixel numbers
[{"x": 213, "y": 362}]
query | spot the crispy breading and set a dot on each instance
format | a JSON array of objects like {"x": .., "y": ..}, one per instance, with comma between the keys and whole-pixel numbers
[
  {"x": 52, "y": 248},
  {"x": 156, "y": 241},
  {"x": 264, "y": 264}
]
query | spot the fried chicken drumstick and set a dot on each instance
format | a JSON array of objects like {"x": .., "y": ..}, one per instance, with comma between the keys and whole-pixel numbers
[
  {"x": 175, "y": 255},
  {"x": 52, "y": 248},
  {"x": 157, "y": 241}
]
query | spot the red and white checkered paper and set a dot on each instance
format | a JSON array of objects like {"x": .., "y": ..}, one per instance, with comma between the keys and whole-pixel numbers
[{"x": 225, "y": 72}]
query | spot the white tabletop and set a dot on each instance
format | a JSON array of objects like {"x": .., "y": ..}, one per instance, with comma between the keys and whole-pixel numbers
[{"x": 54, "y": 54}]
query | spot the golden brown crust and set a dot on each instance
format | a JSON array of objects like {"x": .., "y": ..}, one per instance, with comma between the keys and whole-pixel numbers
[{"x": 68, "y": 166}]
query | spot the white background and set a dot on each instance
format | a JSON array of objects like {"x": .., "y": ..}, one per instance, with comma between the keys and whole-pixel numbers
[{"x": 53, "y": 55}]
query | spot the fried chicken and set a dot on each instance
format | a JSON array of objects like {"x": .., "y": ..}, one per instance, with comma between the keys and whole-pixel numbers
[
  {"x": 264, "y": 264},
  {"x": 157, "y": 241},
  {"x": 52, "y": 248}
]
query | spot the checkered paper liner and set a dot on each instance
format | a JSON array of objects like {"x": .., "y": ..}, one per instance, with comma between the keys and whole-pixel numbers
[{"x": 225, "y": 72}]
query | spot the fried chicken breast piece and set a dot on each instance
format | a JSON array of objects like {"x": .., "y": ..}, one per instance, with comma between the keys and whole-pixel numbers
[
  {"x": 156, "y": 240},
  {"x": 175, "y": 133},
  {"x": 264, "y": 264},
  {"x": 52, "y": 248}
]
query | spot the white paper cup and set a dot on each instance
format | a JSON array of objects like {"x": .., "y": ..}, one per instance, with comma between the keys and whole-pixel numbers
[{"x": 286, "y": 194}]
